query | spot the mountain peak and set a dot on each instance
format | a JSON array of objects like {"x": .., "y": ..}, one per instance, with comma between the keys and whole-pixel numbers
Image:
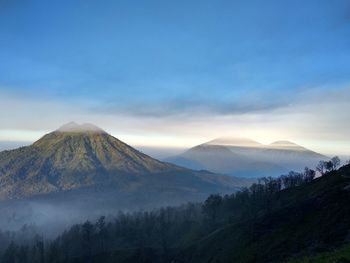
[
  {"x": 283, "y": 142},
  {"x": 74, "y": 156},
  {"x": 286, "y": 145},
  {"x": 77, "y": 157},
  {"x": 75, "y": 127},
  {"x": 234, "y": 141}
]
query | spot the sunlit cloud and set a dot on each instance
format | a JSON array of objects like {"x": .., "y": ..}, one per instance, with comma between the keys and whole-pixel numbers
[{"x": 316, "y": 118}]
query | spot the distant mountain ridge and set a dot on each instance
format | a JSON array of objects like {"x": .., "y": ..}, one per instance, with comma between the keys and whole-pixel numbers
[
  {"x": 286, "y": 145},
  {"x": 79, "y": 156},
  {"x": 247, "y": 158},
  {"x": 234, "y": 141}
]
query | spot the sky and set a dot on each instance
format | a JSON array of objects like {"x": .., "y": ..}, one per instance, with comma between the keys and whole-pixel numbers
[{"x": 178, "y": 73}]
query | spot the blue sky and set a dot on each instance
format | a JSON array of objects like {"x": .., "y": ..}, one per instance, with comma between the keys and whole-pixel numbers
[{"x": 174, "y": 62}]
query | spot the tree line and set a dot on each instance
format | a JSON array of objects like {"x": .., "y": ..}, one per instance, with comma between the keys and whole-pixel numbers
[{"x": 152, "y": 236}]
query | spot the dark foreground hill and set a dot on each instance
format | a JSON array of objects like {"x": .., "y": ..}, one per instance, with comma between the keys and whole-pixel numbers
[
  {"x": 82, "y": 168},
  {"x": 287, "y": 219},
  {"x": 302, "y": 221}
]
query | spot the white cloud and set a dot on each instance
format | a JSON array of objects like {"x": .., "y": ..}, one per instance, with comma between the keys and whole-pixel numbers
[{"x": 317, "y": 118}]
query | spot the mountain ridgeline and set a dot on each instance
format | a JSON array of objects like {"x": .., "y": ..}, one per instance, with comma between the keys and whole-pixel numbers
[
  {"x": 77, "y": 156},
  {"x": 68, "y": 159},
  {"x": 247, "y": 158},
  {"x": 87, "y": 169},
  {"x": 159, "y": 212}
]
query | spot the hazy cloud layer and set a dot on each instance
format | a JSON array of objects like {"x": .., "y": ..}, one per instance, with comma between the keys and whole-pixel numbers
[
  {"x": 317, "y": 117},
  {"x": 194, "y": 106}
]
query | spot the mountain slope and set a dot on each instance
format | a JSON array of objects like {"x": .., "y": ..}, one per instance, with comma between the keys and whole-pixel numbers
[
  {"x": 68, "y": 159},
  {"x": 284, "y": 153},
  {"x": 290, "y": 155},
  {"x": 80, "y": 171},
  {"x": 218, "y": 156},
  {"x": 78, "y": 156},
  {"x": 247, "y": 158},
  {"x": 305, "y": 220}
]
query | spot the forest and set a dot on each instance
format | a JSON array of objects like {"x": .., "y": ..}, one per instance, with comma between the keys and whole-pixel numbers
[{"x": 161, "y": 235}]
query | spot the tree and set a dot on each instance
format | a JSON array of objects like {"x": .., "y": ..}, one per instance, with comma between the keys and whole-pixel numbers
[
  {"x": 23, "y": 254},
  {"x": 164, "y": 223},
  {"x": 336, "y": 162},
  {"x": 102, "y": 233},
  {"x": 271, "y": 185},
  {"x": 309, "y": 175},
  {"x": 40, "y": 246},
  {"x": 257, "y": 190},
  {"x": 321, "y": 167},
  {"x": 53, "y": 252},
  {"x": 211, "y": 206},
  {"x": 87, "y": 231},
  {"x": 292, "y": 179},
  {"x": 10, "y": 254},
  {"x": 329, "y": 166}
]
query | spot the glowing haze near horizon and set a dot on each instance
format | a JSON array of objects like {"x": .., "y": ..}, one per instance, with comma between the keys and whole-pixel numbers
[{"x": 178, "y": 73}]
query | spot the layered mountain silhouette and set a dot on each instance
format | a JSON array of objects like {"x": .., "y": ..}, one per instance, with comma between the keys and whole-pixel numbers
[
  {"x": 80, "y": 171},
  {"x": 81, "y": 156},
  {"x": 290, "y": 155},
  {"x": 247, "y": 158}
]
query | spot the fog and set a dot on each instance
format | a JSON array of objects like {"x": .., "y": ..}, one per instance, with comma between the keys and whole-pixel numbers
[
  {"x": 53, "y": 213},
  {"x": 160, "y": 152}
]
